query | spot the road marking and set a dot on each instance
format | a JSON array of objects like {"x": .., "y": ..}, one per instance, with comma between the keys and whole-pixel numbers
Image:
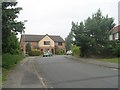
[
  {"x": 114, "y": 69},
  {"x": 28, "y": 59},
  {"x": 40, "y": 78}
]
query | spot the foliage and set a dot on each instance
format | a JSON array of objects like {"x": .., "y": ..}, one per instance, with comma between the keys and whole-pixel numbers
[
  {"x": 114, "y": 48},
  {"x": 34, "y": 53},
  {"x": 69, "y": 41},
  {"x": 10, "y": 60},
  {"x": 28, "y": 48},
  {"x": 59, "y": 51},
  {"x": 92, "y": 35},
  {"x": 76, "y": 51},
  {"x": 12, "y": 44},
  {"x": 4, "y": 74},
  {"x": 10, "y": 27}
]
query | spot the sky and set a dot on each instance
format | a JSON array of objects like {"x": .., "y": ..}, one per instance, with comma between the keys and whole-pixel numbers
[{"x": 54, "y": 17}]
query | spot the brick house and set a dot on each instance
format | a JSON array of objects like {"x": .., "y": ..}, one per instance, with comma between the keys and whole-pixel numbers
[
  {"x": 115, "y": 33},
  {"x": 43, "y": 42}
]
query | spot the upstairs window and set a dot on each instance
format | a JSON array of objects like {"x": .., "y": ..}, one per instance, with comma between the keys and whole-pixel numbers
[
  {"x": 46, "y": 42},
  {"x": 60, "y": 43}
]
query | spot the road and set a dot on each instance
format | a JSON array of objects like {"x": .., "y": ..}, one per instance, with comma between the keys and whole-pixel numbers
[{"x": 60, "y": 72}]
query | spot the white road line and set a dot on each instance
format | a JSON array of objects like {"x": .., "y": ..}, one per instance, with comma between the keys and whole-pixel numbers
[
  {"x": 25, "y": 60},
  {"x": 40, "y": 78},
  {"x": 114, "y": 69}
]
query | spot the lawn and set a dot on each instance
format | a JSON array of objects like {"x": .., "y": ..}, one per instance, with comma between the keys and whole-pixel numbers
[{"x": 112, "y": 60}]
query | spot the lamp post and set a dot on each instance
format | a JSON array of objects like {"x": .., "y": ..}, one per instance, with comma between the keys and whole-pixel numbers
[
  {"x": 118, "y": 20},
  {"x": 24, "y": 50}
]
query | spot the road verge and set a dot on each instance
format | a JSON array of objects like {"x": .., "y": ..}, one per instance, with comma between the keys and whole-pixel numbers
[{"x": 96, "y": 62}]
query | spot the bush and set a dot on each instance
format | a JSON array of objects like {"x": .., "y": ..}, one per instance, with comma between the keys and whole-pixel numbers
[
  {"x": 76, "y": 51},
  {"x": 34, "y": 53},
  {"x": 115, "y": 48},
  {"x": 9, "y": 60},
  {"x": 60, "y": 51},
  {"x": 112, "y": 49}
]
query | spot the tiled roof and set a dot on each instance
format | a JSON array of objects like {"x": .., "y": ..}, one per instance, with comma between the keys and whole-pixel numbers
[
  {"x": 36, "y": 38},
  {"x": 116, "y": 29}
]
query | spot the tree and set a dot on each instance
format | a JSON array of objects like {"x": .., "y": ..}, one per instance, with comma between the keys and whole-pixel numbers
[
  {"x": 69, "y": 41},
  {"x": 13, "y": 44},
  {"x": 10, "y": 26},
  {"x": 28, "y": 48},
  {"x": 93, "y": 35}
]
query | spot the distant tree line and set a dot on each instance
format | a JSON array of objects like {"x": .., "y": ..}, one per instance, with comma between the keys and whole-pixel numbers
[{"x": 92, "y": 36}]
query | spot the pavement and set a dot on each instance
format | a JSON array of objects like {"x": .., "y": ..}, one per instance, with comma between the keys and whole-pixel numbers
[
  {"x": 23, "y": 76},
  {"x": 94, "y": 61}
]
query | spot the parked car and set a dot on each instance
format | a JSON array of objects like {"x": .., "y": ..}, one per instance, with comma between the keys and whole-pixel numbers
[
  {"x": 69, "y": 52},
  {"x": 47, "y": 54}
]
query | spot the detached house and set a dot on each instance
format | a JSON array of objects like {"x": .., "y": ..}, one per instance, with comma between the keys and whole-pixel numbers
[
  {"x": 43, "y": 42},
  {"x": 115, "y": 33}
]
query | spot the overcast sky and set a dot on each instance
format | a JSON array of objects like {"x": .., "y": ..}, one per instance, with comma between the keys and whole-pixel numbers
[{"x": 54, "y": 17}]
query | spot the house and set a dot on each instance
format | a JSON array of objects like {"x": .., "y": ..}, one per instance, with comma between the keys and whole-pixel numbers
[
  {"x": 115, "y": 33},
  {"x": 43, "y": 42}
]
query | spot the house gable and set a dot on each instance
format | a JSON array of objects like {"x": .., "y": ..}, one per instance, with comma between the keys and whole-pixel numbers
[{"x": 46, "y": 38}]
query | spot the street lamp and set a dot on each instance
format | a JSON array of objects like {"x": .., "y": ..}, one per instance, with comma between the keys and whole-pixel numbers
[{"x": 24, "y": 50}]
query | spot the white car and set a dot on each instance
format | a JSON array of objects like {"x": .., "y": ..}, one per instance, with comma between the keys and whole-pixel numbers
[
  {"x": 69, "y": 52},
  {"x": 47, "y": 54}
]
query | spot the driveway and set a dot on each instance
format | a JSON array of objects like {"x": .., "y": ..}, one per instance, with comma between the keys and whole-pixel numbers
[{"x": 60, "y": 72}]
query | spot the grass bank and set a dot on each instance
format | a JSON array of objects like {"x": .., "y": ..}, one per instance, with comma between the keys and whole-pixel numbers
[
  {"x": 8, "y": 62},
  {"x": 112, "y": 60}
]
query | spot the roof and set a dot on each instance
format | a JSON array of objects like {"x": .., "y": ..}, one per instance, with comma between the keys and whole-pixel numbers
[
  {"x": 36, "y": 38},
  {"x": 116, "y": 29}
]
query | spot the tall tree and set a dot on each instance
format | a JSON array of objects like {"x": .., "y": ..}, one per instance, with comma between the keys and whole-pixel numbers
[
  {"x": 10, "y": 26},
  {"x": 69, "y": 41},
  {"x": 93, "y": 35}
]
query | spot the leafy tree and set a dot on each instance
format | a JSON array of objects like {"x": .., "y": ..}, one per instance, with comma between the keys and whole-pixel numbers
[
  {"x": 93, "y": 35},
  {"x": 28, "y": 48},
  {"x": 69, "y": 41},
  {"x": 13, "y": 44},
  {"x": 81, "y": 38},
  {"x": 10, "y": 26}
]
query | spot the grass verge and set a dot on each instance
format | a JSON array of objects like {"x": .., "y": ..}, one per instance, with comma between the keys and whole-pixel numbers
[
  {"x": 8, "y": 62},
  {"x": 112, "y": 60}
]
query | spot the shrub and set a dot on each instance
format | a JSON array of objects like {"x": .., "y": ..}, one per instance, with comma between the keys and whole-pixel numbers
[
  {"x": 60, "y": 51},
  {"x": 115, "y": 48},
  {"x": 112, "y": 49},
  {"x": 28, "y": 48},
  {"x": 9, "y": 60},
  {"x": 76, "y": 51},
  {"x": 34, "y": 53}
]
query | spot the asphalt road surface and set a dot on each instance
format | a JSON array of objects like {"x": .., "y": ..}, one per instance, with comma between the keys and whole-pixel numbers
[{"x": 60, "y": 72}]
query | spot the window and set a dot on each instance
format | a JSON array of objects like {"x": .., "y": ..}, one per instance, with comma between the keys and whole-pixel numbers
[
  {"x": 115, "y": 36},
  {"x": 60, "y": 43},
  {"x": 46, "y": 42}
]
